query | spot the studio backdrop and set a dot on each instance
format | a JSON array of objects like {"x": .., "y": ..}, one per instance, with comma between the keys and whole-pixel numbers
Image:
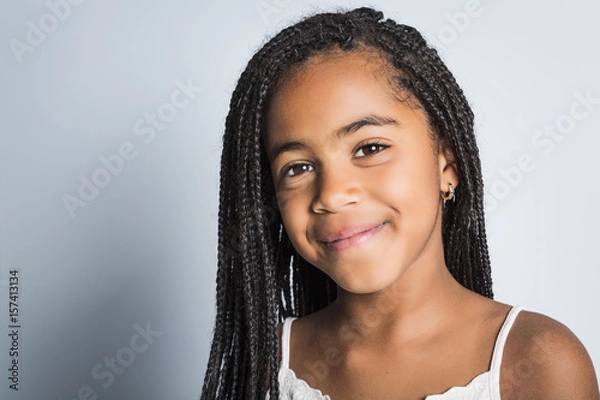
[{"x": 112, "y": 118}]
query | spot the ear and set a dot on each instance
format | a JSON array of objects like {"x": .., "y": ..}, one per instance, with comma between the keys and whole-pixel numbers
[{"x": 447, "y": 169}]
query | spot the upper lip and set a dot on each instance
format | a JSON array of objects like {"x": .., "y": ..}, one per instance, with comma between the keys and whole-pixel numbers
[{"x": 347, "y": 232}]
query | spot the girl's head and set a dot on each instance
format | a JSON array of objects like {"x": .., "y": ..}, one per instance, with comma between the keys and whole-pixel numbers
[{"x": 358, "y": 91}]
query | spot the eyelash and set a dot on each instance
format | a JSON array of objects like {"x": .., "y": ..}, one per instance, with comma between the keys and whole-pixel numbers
[{"x": 382, "y": 147}]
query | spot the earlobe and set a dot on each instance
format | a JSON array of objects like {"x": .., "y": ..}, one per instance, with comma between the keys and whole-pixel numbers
[{"x": 449, "y": 195}]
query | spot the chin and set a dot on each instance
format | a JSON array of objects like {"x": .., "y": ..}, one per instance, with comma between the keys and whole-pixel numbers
[{"x": 360, "y": 284}]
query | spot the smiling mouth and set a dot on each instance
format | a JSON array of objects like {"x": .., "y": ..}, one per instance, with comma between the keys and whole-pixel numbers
[{"x": 353, "y": 240}]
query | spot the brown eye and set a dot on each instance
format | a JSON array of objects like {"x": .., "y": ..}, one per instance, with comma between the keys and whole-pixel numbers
[
  {"x": 296, "y": 169},
  {"x": 370, "y": 149}
]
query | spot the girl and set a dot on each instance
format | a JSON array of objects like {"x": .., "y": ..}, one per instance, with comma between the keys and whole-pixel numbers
[{"x": 352, "y": 255}]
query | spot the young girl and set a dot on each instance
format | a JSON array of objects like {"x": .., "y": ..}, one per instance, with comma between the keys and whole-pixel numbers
[{"x": 352, "y": 255}]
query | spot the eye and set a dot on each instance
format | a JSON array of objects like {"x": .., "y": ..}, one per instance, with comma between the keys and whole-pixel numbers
[
  {"x": 370, "y": 149},
  {"x": 296, "y": 169}
]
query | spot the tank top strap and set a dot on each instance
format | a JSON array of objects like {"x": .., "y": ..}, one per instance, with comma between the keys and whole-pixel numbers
[
  {"x": 285, "y": 342},
  {"x": 499, "y": 350}
]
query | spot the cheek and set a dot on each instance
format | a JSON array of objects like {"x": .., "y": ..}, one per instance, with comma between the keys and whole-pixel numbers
[
  {"x": 293, "y": 215},
  {"x": 412, "y": 186}
]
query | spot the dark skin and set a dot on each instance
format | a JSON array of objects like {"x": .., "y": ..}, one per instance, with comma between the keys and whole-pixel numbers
[{"x": 401, "y": 327}]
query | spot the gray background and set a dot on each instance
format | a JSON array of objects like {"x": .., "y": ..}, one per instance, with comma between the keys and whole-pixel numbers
[{"x": 143, "y": 250}]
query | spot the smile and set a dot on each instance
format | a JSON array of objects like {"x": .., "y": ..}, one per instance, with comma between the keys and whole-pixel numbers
[{"x": 354, "y": 240}]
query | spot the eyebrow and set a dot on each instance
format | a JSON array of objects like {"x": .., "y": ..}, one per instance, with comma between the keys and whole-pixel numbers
[{"x": 370, "y": 120}]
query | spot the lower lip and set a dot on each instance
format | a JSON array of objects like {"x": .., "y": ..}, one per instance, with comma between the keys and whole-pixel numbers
[{"x": 354, "y": 240}]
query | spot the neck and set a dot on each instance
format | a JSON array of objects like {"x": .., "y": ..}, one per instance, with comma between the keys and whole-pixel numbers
[{"x": 415, "y": 304}]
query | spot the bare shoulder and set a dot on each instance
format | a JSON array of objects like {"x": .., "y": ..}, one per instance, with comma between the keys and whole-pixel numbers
[{"x": 543, "y": 359}]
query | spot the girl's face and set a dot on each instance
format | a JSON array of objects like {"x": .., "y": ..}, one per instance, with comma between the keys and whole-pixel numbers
[{"x": 356, "y": 173}]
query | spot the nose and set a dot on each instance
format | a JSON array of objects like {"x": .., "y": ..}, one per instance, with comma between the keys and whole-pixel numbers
[{"x": 336, "y": 189}]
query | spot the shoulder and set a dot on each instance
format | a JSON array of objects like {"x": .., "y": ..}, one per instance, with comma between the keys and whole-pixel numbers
[{"x": 543, "y": 359}]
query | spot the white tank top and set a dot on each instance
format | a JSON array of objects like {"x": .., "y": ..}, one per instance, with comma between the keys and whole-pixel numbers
[{"x": 485, "y": 386}]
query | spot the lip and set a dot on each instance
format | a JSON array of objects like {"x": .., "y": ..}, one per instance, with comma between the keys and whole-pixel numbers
[{"x": 350, "y": 236}]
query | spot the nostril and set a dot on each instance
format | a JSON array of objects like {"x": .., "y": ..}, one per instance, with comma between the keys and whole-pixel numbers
[{"x": 334, "y": 200}]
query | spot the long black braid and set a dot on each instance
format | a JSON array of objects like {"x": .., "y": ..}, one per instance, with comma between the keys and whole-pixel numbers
[{"x": 261, "y": 279}]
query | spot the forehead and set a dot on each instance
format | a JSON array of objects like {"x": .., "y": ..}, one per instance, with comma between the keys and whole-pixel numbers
[
  {"x": 328, "y": 65},
  {"x": 330, "y": 88},
  {"x": 333, "y": 95}
]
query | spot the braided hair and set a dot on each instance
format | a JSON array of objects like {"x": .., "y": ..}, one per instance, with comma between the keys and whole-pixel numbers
[{"x": 261, "y": 279}]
